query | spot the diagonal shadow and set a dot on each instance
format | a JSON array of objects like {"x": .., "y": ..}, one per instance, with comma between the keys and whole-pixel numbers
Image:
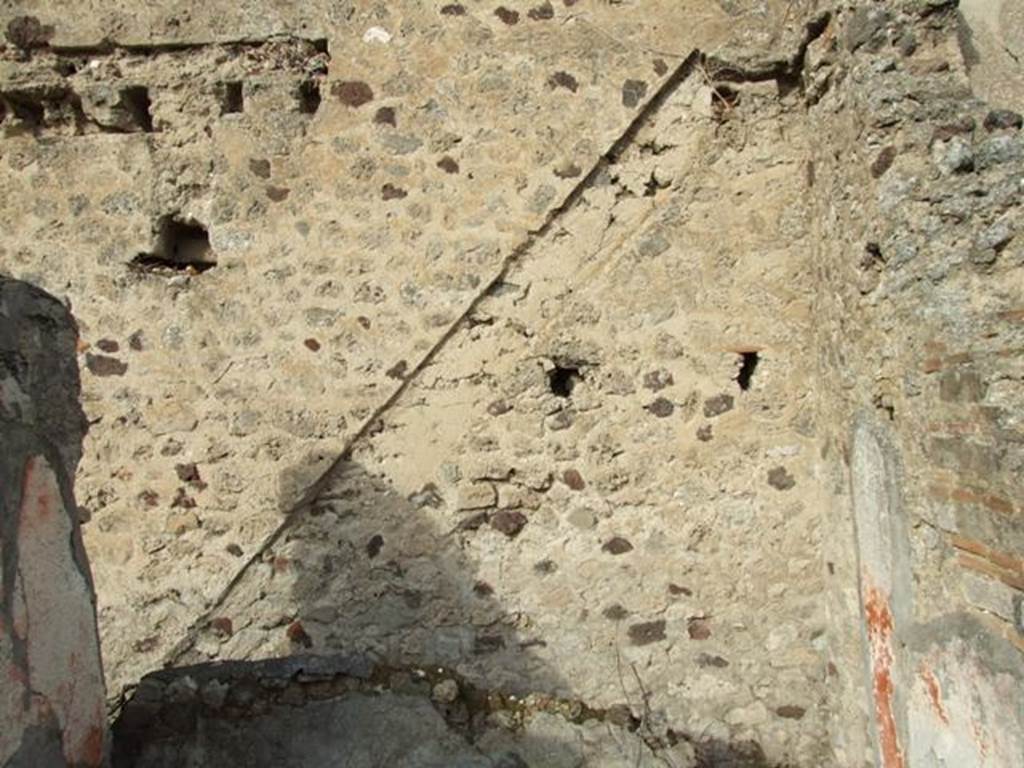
[
  {"x": 384, "y": 648},
  {"x": 399, "y": 656}
]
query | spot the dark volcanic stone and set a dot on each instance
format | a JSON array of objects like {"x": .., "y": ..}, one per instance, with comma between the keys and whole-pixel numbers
[
  {"x": 717, "y": 405},
  {"x": 448, "y": 164},
  {"x": 647, "y": 632},
  {"x": 574, "y": 480},
  {"x": 615, "y": 612},
  {"x": 883, "y": 162},
  {"x": 658, "y": 380},
  {"x": 352, "y": 93},
  {"x": 780, "y": 479},
  {"x": 710, "y": 660},
  {"x": 617, "y": 546},
  {"x": 790, "y": 712},
  {"x": 543, "y": 12},
  {"x": 374, "y": 545},
  {"x": 259, "y": 167},
  {"x": 508, "y": 522},
  {"x": 385, "y": 116},
  {"x": 101, "y": 365},
  {"x": 698, "y": 628},
  {"x": 507, "y": 16},
  {"x": 27, "y": 32},
  {"x": 662, "y": 407},
  {"x": 1002, "y": 119},
  {"x": 563, "y": 80},
  {"x": 633, "y": 92}
]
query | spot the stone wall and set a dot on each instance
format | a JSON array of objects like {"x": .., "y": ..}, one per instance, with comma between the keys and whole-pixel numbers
[
  {"x": 917, "y": 183},
  {"x": 538, "y": 276},
  {"x": 661, "y": 361},
  {"x": 52, "y": 705},
  {"x": 562, "y": 498},
  {"x": 354, "y": 209}
]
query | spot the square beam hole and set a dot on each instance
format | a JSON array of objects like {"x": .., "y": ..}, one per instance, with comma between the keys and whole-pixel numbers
[
  {"x": 309, "y": 97},
  {"x": 232, "y": 100},
  {"x": 181, "y": 245},
  {"x": 135, "y": 99}
]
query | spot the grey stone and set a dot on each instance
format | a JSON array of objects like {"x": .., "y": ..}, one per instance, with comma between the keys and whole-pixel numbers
[
  {"x": 953, "y": 156},
  {"x": 999, "y": 150},
  {"x": 401, "y": 144},
  {"x": 866, "y": 27},
  {"x": 717, "y": 405}
]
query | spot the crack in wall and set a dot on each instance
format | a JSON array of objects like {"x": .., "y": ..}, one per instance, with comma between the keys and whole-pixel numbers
[{"x": 786, "y": 71}]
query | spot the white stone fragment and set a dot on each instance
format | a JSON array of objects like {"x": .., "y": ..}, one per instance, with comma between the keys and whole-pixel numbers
[{"x": 377, "y": 35}]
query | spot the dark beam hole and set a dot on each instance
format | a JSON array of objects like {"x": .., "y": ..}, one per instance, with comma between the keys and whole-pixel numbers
[
  {"x": 748, "y": 364},
  {"x": 28, "y": 110},
  {"x": 136, "y": 100},
  {"x": 181, "y": 246},
  {"x": 231, "y": 99},
  {"x": 309, "y": 97},
  {"x": 562, "y": 379}
]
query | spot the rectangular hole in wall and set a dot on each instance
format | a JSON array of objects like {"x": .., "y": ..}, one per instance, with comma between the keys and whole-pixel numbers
[
  {"x": 38, "y": 109},
  {"x": 232, "y": 100},
  {"x": 747, "y": 365},
  {"x": 309, "y": 97},
  {"x": 181, "y": 245},
  {"x": 135, "y": 99},
  {"x": 26, "y": 109}
]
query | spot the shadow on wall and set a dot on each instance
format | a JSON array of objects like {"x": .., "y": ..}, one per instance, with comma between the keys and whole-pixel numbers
[
  {"x": 52, "y": 697},
  {"x": 387, "y": 576},
  {"x": 376, "y": 638},
  {"x": 401, "y": 656}
]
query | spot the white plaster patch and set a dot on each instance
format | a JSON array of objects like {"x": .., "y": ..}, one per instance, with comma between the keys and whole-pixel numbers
[
  {"x": 377, "y": 35},
  {"x": 960, "y": 714}
]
